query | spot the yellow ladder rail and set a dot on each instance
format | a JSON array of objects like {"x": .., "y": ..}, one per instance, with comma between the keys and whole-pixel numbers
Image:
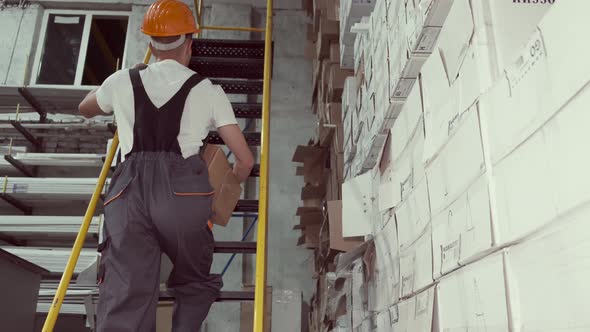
[
  {"x": 260, "y": 276},
  {"x": 60, "y": 293}
]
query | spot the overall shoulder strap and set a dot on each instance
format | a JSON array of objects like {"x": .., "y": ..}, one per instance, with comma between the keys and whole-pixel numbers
[{"x": 190, "y": 83}]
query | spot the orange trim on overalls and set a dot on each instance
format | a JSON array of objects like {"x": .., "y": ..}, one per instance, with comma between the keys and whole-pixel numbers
[{"x": 194, "y": 194}]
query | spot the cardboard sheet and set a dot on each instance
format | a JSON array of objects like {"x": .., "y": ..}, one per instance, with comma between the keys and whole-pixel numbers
[
  {"x": 384, "y": 289},
  {"x": 408, "y": 171},
  {"x": 548, "y": 277},
  {"x": 511, "y": 23},
  {"x": 416, "y": 265},
  {"x": 458, "y": 165},
  {"x": 337, "y": 241},
  {"x": 413, "y": 215},
  {"x": 358, "y": 204},
  {"x": 462, "y": 231},
  {"x": 547, "y": 175},
  {"x": 407, "y": 122},
  {"x": 474, "y": 297},
  {"x": 548, "y": 71}
]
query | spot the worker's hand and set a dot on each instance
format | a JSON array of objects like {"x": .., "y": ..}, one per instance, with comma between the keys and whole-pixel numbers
[
  {"x": 235, "y": 141},
  {"x": 140, "y": 66}
]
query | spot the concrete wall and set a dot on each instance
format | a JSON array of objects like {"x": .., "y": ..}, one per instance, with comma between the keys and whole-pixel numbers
[
  {"x": 17, "y": 42},
  {"x": 292, "y": 123}
]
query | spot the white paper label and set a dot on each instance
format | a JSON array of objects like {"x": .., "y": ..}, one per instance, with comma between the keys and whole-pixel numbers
[
  {"x": 427, "y": 40},
  {"x": 533, "y": 53},
  {"x": 394, "y": 314},
  {"x": 450, "y": 253},
  {"x": 408, "y": 281},
  {"x": 67, "y": 20},
  {"x": 422, "y": 304},
  {"x": 20, "y": 188}
]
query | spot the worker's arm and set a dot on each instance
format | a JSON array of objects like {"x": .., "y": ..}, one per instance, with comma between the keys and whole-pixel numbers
[
  {"x": 100, "y": 100},
  {"x": 89, "y": 106},
  {"x": 236, "y": 142}
]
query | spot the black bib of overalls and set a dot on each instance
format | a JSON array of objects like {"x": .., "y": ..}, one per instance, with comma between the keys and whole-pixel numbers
[{"x": 156, "y": 128}]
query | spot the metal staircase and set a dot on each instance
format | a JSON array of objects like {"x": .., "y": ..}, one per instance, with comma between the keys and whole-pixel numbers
[{"x": 241, "y": 67}]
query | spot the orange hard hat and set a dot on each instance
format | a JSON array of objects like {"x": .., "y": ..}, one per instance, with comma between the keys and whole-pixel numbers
[{"x": 168, "y": 18}]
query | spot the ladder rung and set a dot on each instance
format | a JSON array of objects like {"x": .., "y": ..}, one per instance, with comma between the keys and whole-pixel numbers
[
  {"x": 247, "y": 110},
  {"x": 240, "y": 87},
  {"x": 226, "y": 296},
  {"x": 228, "y": 67},
  {"x": 247, "y": 205},
  {"x": 228, "y": 48},
  {"x": 253, "y": 139},
  {"x": 234, "y": 247}
]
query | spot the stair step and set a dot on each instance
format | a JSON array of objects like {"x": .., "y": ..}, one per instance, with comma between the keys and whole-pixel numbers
[
  {"x": 226, "y": 296},
  {"x": 228, "y": 67},
  {"x": 247, "y": 110},
  {"x": 253, "y": 139},
  {"x": 232, "y": 247},
  {"x": 237, "y": 87},
  {"x": 228, "y": 48},
  {"x": 247, "y": 205}
]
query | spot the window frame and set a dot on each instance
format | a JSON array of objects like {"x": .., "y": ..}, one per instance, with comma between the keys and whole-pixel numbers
[{"x": 89, "y": 16}]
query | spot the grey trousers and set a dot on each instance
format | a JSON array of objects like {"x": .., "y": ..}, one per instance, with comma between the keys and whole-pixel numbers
[{"x": 157, "y": 203}]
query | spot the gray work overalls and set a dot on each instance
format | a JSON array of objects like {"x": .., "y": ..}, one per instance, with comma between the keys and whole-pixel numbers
[{"x": 158, "y": 202}]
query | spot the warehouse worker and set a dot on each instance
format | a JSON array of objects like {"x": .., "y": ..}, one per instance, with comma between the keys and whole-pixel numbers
[{"x": 160, "y": 198}]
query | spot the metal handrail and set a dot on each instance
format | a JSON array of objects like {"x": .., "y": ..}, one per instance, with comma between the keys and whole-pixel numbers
[{"x": 260, "y": 276}]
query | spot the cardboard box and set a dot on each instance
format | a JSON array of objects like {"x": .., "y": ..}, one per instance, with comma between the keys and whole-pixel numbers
[
  {"x": 327, "y": 33},
  {"x": 511, "y": 23},
  {"x": 227, "y": 187},
  {"x": 333, "y": 10},
  {"x": 462, "y": 232},
  {"x": 399, "y": 316},
  {"x": 407, "y": 122},
  {"x": 456, "y": 37},
  {"x": 444, "y": 105},
  {"x": 406, "y": 172},
  {"x": 474, "y": 297},
  {"x": 358, "y": 204},
  {"x": 546, "y": 176},
  {"x": 375, "y": 152},
  {"x": 382, "y": 322},
  {"x": 336, "y": 82},
  {"x": 334, "y": 51},
  {"x": 548, "y": 277},
  {"x": 416, "y": 265},
  {"x": 337, "y": 241},
  {"x": 164, "y": 314},
  {"x": 417, "y": 314},
  {"x": 413, "y": 215},
  {"x": 458, "y": 165},
  {"x": 548, "y": 72},
  {"x": 347, "y": 55},
  {"x": 358, "y": 296},
  {"x": 454, "y": 76},
  {"x": 384, "y": 290}
]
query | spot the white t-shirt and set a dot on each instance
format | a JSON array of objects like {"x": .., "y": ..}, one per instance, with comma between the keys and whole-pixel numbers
[{"x": 206, "y": 106}]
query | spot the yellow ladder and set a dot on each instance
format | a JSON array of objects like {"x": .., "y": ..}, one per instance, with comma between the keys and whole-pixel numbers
[{"x": 261, "y": 250}]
